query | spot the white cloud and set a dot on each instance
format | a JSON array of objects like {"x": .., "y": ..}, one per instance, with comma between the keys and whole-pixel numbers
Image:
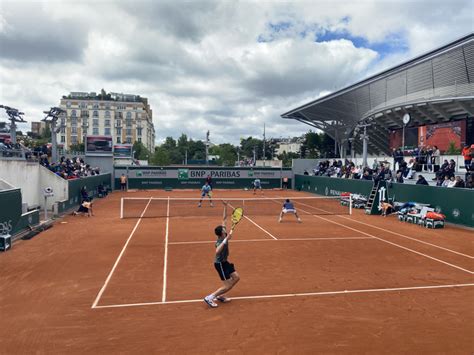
[{"x": 218, "y": 65}]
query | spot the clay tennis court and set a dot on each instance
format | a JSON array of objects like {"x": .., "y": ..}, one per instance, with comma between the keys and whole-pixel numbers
[{"x": 334, "y": 283}]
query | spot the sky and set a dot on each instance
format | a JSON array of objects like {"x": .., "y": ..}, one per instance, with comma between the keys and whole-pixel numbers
[{"x": 223, "y": 66}]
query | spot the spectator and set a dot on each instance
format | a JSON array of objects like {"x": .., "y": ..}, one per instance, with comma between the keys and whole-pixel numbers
[
  {"x": 435, "y": 158},
  {"x": 123, "y": 182},
  {"x": 285, "y": 183},
  {"x": 209, "y": 180},
  {"x": 469, "y": 181},
  {"x": 421, "y": 180},
  {"x": 85, "y": 209},
  {"x": 467, "y": 154},
  {"x": 458, "y": 182},
  {"x": 451, "y": 182},
  {"x": 446, "y": 181},
  {"x": 399, "y": 177}
]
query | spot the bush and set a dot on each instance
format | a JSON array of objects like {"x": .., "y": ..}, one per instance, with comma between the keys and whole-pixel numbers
[{"x": 452, "y": 150}]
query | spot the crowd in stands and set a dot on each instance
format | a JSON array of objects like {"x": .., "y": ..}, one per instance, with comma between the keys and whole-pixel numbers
[
  {"x": 424, "y": 159},
  {"x": 246, "y": 162},
  {"x": 69, "y": 168}
]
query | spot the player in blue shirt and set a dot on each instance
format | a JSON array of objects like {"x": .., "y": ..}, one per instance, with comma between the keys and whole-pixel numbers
[
  {"x": 257, "y": 185},
  {"x": 206, "y": 190},
  {"x": 288, "y": 207}
]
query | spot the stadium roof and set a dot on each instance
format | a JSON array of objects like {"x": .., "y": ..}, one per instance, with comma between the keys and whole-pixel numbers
[{"x": 437, "y": 86}]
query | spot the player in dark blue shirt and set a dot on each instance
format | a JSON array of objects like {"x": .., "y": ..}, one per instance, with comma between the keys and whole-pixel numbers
[
  {"x": 288, "y": 207},
  {"x": 226, "y": 270}
]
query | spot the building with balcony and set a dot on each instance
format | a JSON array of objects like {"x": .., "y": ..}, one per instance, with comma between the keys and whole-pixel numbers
[{"x": 126, "y": 118}]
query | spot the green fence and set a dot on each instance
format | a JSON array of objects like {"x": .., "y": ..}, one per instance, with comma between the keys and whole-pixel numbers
[
  {"x": 153, "y": 177},
  {"x": 26, "y": 221},
  {"x": 10, "y": 210},
  {"x": 75, "y": 186},
  {"x": 457, "y": 204}
]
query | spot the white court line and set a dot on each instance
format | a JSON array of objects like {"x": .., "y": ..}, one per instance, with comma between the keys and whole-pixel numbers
[
  {"x": 99, "y": 295},
  {"x": 165, "y": 262},
  {"x": 268, "y": 240},
  {"x": 395, "y": 233},
  {"x": 271, "y": 235},
  {"x": 286, "y": 295},
  {"x": 386, "y": 241}
]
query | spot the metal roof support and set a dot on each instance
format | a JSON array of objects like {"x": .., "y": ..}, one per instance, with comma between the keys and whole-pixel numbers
[
  {"x": 466, "y": 107},
  {"x": 439, "y": 110}
]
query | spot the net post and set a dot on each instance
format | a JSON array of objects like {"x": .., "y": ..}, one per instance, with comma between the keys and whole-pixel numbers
[
  {"x": 121, "y": 208},
  {"x": 350, "y": 204}
]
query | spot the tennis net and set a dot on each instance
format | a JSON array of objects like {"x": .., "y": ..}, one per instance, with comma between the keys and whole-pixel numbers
[{"x": 153, "y": 207}]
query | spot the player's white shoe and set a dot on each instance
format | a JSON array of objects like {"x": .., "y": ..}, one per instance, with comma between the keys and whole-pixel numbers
[{"x": 210, "y": 302}]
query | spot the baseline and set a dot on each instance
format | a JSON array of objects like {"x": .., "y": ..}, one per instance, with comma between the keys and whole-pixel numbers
[
  {"x": 305, "y": 294},
  {"x": 268, "y": 240}
]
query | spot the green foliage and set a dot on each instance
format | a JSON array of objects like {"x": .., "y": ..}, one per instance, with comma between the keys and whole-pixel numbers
[
  {"x": 227, "y": 154},
  {"x": 141, "y": 152},
  {"x": 452, "y": 150},
  {"x": 77, "y": 147},
  {"x": 287, "y": 158},
  {"x": 160, "y": 157}
]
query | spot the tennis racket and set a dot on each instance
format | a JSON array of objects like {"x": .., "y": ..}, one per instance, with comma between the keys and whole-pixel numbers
[{"x": 236, "y": 216}]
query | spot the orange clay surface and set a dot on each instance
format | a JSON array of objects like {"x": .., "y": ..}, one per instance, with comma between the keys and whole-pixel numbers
[{"x": 58, "y": 293}]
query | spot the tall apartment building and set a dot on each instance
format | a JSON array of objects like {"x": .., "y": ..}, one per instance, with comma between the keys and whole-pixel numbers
[{"x": 127, "y": 118}]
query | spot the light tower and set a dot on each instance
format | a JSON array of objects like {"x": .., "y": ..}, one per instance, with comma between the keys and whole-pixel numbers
[
  {"x": 52, "y": 117},
  {"x": 14, "y": 116}
]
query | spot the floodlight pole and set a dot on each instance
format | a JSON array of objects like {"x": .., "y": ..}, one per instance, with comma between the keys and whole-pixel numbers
[
  {"x": 264, "y": 144},
  {"x": 52, "y": 117},
  {"x": 14, "y": 116},
  {"x": 207, "y": 148}
]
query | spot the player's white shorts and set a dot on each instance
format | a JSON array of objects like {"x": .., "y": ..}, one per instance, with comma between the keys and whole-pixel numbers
[{"x": 289, "y": 210}]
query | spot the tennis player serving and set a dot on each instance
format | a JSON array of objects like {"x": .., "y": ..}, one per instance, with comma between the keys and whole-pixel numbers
[{"x": 226, "y": 270}]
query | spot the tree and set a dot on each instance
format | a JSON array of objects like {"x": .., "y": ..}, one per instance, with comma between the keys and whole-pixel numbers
[
  {"x": 247, "y": 145},
  {"x": 160, "y": 157},
  {"x": 287, "y": 157},
  {"x": 140, "y": 151},
  {"x": 227, "y": 154},
  {"x": 79, "y": 147}
]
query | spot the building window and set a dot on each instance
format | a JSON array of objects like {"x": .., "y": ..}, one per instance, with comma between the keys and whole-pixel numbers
[
  {"x": 84, "y": 113},
  {"x": 63, "y": 121},
  {"x": 129, "y": 140},
  {"x": 73, "y": 121},
  {"x": 84, "y": 130},
  {"x": 73, "y": 113},
  {"x": 95, "y": 131},
  {"x": 107, "y": 123},
  {"x": 139, "y": 131},
  {"x": 95, "y": 122},
  {"x": 95, "y": 114},
  {"x": 73, "y": 139},
  {"x": 95, "y": 106},
  {"x": 128, "y": 132},
  {"x": 82, "y": 105},
  {"x": 107, "y": 114},
  {"x": 68, "y": 104},
  {"x": 129, "y": 115},
  {"x": 128, "y": 122},
  {"x": 74, "y": 130},
  {"x": 121, "y": 107},
  {"x": 63, "y": 129},
  {"x": 118, "y": 130},
  {"x": 119, "y": 140},
  {"x": 63, "y": 139},
  {"x": 107, "y": 131},
  {"x": 140, "y": 139}
]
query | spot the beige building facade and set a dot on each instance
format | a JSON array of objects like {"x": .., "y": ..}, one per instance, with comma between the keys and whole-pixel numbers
[{"x": 126, "y": 118}]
